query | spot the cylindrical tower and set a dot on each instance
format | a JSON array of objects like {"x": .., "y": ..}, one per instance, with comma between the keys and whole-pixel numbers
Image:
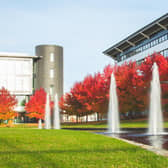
[{"x": 49, "y": 69}]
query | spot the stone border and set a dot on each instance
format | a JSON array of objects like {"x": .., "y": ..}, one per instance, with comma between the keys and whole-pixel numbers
[{"x": 158, "y": 151}]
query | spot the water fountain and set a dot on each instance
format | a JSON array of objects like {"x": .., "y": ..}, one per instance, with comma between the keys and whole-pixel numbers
[
  {"x": 47, "y": 121},
  {"x": 156, "y": 135},
  {"x": 39, "y": 124},
  {"x": 56, "y": 122},
  {"x": 113, "y": 112},
  {"x": 155, "y": 111}
]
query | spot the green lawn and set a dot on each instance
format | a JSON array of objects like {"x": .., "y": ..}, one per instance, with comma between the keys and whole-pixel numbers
[
  {"x": 126, "y": 124},
  {"x": 33, "y": 148}
]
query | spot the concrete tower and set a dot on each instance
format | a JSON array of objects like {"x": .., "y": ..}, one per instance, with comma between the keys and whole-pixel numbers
[{"x": 49, "y": 69}]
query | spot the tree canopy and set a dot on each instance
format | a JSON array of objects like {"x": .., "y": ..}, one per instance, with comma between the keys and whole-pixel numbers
[
  {"x": 133, "y": 87},
  {"x": 7, "y": 104}
]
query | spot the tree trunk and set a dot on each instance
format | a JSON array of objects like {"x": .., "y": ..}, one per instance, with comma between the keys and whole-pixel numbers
[
  {"x": 86, "y": 118},
  {"x": 101, "y": 117},
  {"x": 131, "y": 116},
  {"x": 97, "y": 116},
  {"x": 76, "y": 119}
]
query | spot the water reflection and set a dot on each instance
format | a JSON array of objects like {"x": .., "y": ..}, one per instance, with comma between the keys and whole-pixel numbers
[
  {"x": 139, "y": 136},
  {"x": 156, "y": 141}
]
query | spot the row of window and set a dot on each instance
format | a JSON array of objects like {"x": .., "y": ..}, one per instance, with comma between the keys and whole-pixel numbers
[
  {"x": 164, "y": 53},
  {"x": 139, "y": 61},
  {"x": 16, "y": 83},
  {"x": 145, "y": 47},
  {"x": 15, "y": 67},
  {"x": 51, "y": 57},
  {"x": 51, "y": 73}
]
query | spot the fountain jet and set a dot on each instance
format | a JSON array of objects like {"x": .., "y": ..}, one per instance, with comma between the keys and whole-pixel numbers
[
  {"x": 113, "y": 112},
  {"x": 47, "y": 113},
  {"x": 39, "y": 124},
  {"x": 56, "y": 122},
  {"x": 155, "y": 111}
]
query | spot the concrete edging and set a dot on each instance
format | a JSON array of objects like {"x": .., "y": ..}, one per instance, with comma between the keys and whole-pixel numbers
[{"x": 158, "y": 151}]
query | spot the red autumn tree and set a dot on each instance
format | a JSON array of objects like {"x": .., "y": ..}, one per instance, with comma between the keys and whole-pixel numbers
[
  {"x": 133, "y": 87},
  {"x": 89, "y": 94},
  {"x": 86, "y": 97},
  {"x": 146, "y": 70},
  {"x": 70, "y": 105},
  {"x": 73, "y": 103},
  {"x": 35, "y": 108},
  {"x": 7, "y": 103},
  {"x": 130, "y": 88},
  {"x": 97, "y": 93},
  {"x": 128, "y": 83}
]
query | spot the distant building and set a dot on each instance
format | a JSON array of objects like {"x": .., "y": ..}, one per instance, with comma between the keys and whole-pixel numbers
[
  {"x": 149, "y": 39},
  {"x": 21, "y": 74},
  {"x": 16, "y": 74},
  {"x": 48, "y": 69}
]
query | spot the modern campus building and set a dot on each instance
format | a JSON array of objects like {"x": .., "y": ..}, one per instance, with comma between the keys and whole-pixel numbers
[
  {"x": 21, "y": 74},
  {"x": 149, "y": 39},
  {"x": 48, "y": 69},
  {"x": 16, "y": 74}
]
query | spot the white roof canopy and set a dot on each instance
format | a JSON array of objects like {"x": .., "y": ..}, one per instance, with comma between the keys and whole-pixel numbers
[{"x": 15, "y": 54}]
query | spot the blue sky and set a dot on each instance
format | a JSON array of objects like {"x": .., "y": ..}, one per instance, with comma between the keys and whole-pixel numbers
[{"x": 84, "y": 28}]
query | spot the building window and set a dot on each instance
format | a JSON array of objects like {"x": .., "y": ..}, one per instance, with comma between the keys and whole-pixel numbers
[
  {"x": 51, "y": 73},
  {"x": 152, "y": 43},
  {"x": 145, "y": 47},
  {"x": 51, "y": 89},
  {"x": 165, "y": 53},
  {"x": 51, "y": 57},
  {"x": 160, "y": 39},
  {"x": 163, "y": 38}
]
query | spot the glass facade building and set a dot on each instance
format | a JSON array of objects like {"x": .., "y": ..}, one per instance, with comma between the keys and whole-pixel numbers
[
  {"x": 22, "y": 74},
  {"x": 16, "y": 75},
  {"x": 145, "y": 45},
  {"x": 149, "y": 39}
]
